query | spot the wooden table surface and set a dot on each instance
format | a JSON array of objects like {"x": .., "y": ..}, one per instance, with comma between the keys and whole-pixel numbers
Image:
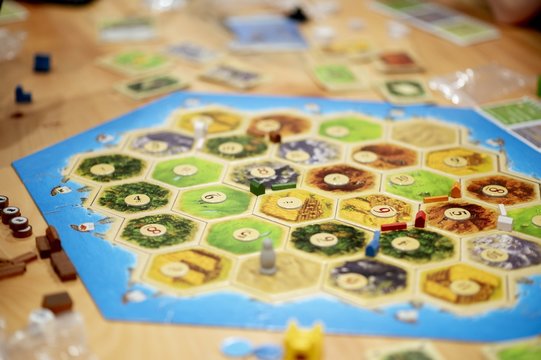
[{"x": 78, "y": 95}]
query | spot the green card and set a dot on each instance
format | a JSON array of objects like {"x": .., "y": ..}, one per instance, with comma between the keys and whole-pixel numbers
[
  {"x": 135, "y": 62},
  {"x": 336, "y": 77},
  {"x": 515, "y": 111}
]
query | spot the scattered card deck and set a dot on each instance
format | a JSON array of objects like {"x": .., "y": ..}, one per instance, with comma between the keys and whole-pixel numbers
[
  {"x": 231, "y": 74},
  {"x": 193, "y": 53},
  {"x": 135, "y": 62},
  {"x": 265, "y": 33},
  {"x": 151, "y": 86},
  {"x": 397, "y": 62},
  {"x": 405, "y": 91},
  {"x": 339, "y": 77},
  {"x": 128, "y": 29}
]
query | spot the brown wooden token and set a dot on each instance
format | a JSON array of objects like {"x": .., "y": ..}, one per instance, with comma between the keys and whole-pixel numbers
[
  {"x": 4, "y": 201},
  {"x": 23, "y": 233},
  {"x": 18, "y": 223},
  {"x": 9, "y": 213},
  {"x": 58, "y": 302}
]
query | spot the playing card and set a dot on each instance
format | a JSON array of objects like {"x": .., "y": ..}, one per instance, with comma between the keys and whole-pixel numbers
[
  {"x": 151, "y": 86},
  {"x": 352, "y": 49},
  {"x": 232, "y": 74},
  {"x": 339, "y": 77},
  {"x": 405, "y": 91},
  {"x": 135, "y": 62},
  {"x": 193, "y": 52},
  {"x": 128, "y": 29},
  {"x": 397, "y": 61}
]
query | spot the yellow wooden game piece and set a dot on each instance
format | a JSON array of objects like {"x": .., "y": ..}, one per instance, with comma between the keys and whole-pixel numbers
[
  {"x": 306, "y": 344},
  {"x": 431, "y": 199}
]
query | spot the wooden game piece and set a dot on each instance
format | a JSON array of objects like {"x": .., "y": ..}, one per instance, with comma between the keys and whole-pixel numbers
[
  {"x": 4, "y": 202},
  {"x": 62, "y": 266},
  {"x": 22, "y": 97},
  {"x": 18, "y": 223},
  {"x": 275, "y": 137},
  {"x": 8, "y": 270},
  {"x": 503, "y": 211},
  {"x": 42, "y": 62},
  {"x": 257, "y": 188},
  {"x": 455, "y": 192},
  {"x": 267, "y": 258},
  {"x": 8, "y": 213},
  {"x": 277, "y": 187},
  {"x": 43, "y": 247},
  {"x": 27, "y": 257},
  {"x": 23, "y": 233},
  {"x": 54, "y": 239},
  {"x": 394, "y": 226},
  {"x": 505, "y": 223},
  {"x": 431, "y": 199},
  {"x": 57, "y": 302},
  {"x": 420, "y": 219},
  {"x": 373, "y": 247},
  {"x": 303, "y": 343},
  {"x": 297, "y": 14}
]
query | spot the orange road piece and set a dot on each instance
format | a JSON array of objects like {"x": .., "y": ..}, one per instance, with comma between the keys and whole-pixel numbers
[
  {"x": 455, "y": 192},
  {"x": 431, "y": 199}
]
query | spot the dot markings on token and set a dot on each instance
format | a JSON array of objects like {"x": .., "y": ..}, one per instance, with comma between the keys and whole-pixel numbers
[
  {"x": 153, "y": 230},
  {"x": 246, "y": 234},
  {"x": 214, "y": 197},
  {"x": 405, "y": 243},
  {"x": 262, "y": 172},
  {"x": 494, "y": 255},
  {"x": 455, "y": 161},
  {"x": 495, "y": 190},
  {"x": 402, "y": 179},
  {"x": 465, "y": 287},
  {"x": 457, "y": 214},
  {"x": 536, "y": 220},
  {"x": 337, "y": 131},
  {"x": 103, "y": 169},
  {"x": 383, "y": 211},
  {"x": 336, "y": 179},
  {"x": 351, "y": 281},
  {"x": 185, "y": 170},
  {"x": 137, "y": 200},
  {"x": 156, "y": 146},
  {"x": 290, "y": 203},
  {"x": 365, "y": 157},
  {"x": 230, "y": 148},
  {"x": 268, "y": 125},
  {"x": 323, "y": 239}
]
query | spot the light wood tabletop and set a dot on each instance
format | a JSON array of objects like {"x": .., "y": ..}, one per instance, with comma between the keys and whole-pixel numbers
[{"x": 77, "y": 95}]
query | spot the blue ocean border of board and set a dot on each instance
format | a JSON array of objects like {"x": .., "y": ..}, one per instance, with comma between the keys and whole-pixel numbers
[{"x": 107, "y": 277}]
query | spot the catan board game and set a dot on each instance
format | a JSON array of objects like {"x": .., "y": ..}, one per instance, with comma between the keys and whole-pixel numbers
[{"x": 163, "y": 231}]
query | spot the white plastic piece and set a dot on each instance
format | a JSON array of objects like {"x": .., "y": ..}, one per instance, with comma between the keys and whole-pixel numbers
[
  {"x": 267, "y": 258},
  {"x": 356, "y": 24},
  {"x": 396, "y": 30},
  {"x": 135, "y": 296},
  {"x": 503, "y": 211},
  {"x": 324, "y": 34},
  {"x": 11, "y": 43},
  {"x": 505, "y": 223}
]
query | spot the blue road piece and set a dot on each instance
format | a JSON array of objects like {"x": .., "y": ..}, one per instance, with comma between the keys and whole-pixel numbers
[
  {"x": 373, "y": 247},
  {"x": 236, "y": 347},
  {"x": 42, "y": 62}
]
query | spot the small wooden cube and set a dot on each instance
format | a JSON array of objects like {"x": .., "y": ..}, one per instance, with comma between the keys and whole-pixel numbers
[{"x": 57, "y": 302}]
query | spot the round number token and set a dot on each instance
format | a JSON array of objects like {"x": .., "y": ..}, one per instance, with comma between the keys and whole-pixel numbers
[
  {"x": 405, "y": 243},
  {"x": 4, "y": 201},
  {"x": 406, "y": 89},
  {"x": 153, "y": 230},
  {"x": 465, "y": 287},
  {"x": 40, "y": 316},
  {"x": 495, "y": 190},
  {"x": 494, "y": 255},
  {"x": 214, "y": 197},
  {"x": 102, "y": 169},
  {"x": 457, "y": 214},
  {"x": 337, "y": 131},
  {"x": 137, "y": 200},
  {"x": 246, "y": 234},
  {"x": 455, "y": 161},
  {"x": 365, "y": 157},
  {"x": 262, "y": 172},
  {"x": 402, "y": 179},
  {"x": 323, "y": 240},
  {"x": 185, "y": 170},
  {"x": 175, "y": 269},
  {"x": 536, "y": 220},
  {"x": 23, "y": 233},
  {"x": 156, "y": 146},
  {"x": 351, "y": 281},
  {"x": 230, "y": 148},
  {"x": 203, "y": 118},
  {"x": 290, "y": 203},
  {"x": 298, "y": 156},
  {"x": 18, "y": 223},
  {"x": 268, "y": 125},
  {"x": 383, "y": 211},
  {"x": 336, "y": 179}
]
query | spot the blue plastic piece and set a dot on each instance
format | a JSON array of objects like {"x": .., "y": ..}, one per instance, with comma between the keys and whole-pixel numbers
[
  {"x": 268, "y": 352},
  {"x": 21, "y": 97},
  {"x": 237, "y": 347},
  {"x": 42, "y": 62},
  {"x": 373, "y": 247}
]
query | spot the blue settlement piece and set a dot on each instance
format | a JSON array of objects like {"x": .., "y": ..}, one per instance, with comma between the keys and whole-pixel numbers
[
  {"x": 21, "y": 97},
  {"x": 42, "y": 62},
  {"x": 373, "y": 247},
  {"x": 236, "y": 347}
]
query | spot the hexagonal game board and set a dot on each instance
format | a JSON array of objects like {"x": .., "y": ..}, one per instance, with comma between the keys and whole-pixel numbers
[{"x": 162, "y": 230}]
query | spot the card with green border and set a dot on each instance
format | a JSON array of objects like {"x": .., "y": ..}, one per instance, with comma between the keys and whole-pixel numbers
[
  {"x": 339, "y": 77},
  {"x": 405, "y": 91},
  {"x": 514, "y": 112},
  {"x": 528, "y": 349},
  {"x": 151, "y": 86},
  {"x": 135, "y": 62}
]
